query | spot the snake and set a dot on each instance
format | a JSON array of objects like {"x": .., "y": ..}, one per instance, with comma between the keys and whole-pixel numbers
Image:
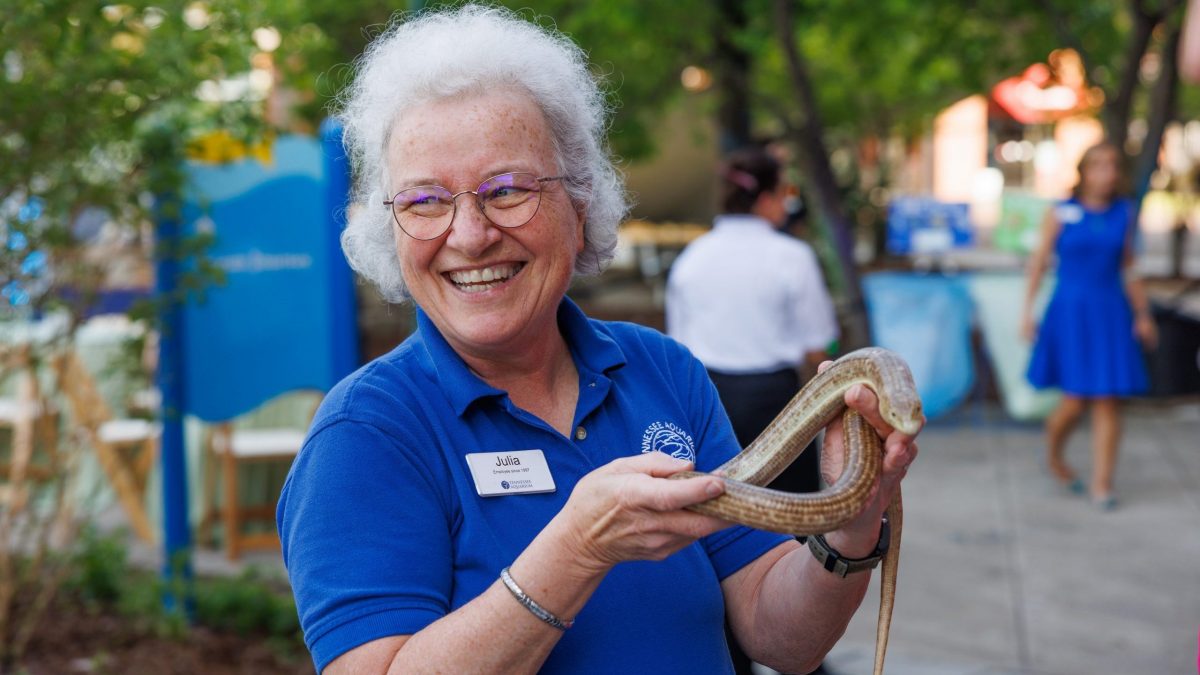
[{"x": 817, "y": 404}]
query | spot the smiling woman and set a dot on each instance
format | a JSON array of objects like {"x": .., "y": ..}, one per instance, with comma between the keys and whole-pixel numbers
[{"x": 475, "y": 500}]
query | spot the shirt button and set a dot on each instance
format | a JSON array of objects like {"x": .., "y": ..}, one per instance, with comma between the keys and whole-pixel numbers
[
  {"x": 580, "y": 433},
  {"x": 591, "y": 384}
]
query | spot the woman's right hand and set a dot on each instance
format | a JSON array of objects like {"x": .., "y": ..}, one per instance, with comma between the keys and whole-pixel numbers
[
  {"x": 1028, "y": 326},
  {"x": 1145, "y": 330},
  {"x": 629, "y": 510}
]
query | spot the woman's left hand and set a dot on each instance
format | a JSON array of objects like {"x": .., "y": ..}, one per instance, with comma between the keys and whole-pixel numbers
[
  {"x": 859, "y": 537},
  {"x": 1146, "y": 330}
]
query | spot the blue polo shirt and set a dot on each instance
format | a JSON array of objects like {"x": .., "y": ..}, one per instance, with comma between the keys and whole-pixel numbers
[{"x": 383, "y": 532}]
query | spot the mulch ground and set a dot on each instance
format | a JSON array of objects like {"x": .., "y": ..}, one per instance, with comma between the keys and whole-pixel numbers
[{"x": 74, "y": 639}]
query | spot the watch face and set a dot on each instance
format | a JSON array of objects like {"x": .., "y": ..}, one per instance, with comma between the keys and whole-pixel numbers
[{"x": 885, "y": 537}]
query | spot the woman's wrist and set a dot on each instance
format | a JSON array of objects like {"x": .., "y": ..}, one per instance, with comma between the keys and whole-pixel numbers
[
  {"x": 554, "y": 575},
  {"x": 856, "y": 542},
  {"x": 580, "y": 559}
]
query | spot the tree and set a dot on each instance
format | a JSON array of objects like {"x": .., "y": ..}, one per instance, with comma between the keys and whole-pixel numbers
[
  {"x": 96, "y": 108},
  {"x": 97, "y": 105},
  {"x": 830, "y": 75},
  {"x": 1149, "y": 33}
]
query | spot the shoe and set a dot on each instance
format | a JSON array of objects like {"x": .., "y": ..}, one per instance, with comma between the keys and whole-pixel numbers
[
  {"x": 1074, "y": 486},
  {"x": 1070, "y": 486},
  {"x": 1106, "y": 503}
]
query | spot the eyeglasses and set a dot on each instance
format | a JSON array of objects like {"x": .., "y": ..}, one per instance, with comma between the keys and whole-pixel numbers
[{"x": 425, "y": 212}]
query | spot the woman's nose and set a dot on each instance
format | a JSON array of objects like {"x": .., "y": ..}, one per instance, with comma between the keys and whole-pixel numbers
[{"x": 470, "y": 230}]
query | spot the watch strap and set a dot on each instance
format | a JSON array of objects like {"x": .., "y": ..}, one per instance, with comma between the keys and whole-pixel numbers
[{"x": 840, "y": 565}]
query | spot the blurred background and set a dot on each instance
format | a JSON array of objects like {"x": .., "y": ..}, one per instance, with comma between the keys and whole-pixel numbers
[{"x": 173, "y": 301}]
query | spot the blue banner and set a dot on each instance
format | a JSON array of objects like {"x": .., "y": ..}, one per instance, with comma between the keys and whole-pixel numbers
[
  {"x": 924, "y": 225},
  {"x": 926, "y": 319},
  {"x": 284, "y": 319}
]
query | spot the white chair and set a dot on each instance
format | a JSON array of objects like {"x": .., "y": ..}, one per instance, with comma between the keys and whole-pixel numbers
[{"x": 271, "y": 434}]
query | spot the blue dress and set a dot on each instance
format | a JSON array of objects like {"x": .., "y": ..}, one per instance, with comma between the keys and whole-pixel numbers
[{"x": 1086, "y": 344}]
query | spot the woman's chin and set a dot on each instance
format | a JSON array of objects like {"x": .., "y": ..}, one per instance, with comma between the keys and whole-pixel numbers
[{"x": 484, "y": 332}]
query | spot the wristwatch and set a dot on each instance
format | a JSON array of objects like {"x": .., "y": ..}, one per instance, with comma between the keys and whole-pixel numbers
[{"x": 840, "y": 565}]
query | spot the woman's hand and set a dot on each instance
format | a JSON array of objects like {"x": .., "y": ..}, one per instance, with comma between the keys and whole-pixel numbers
[
  {"x": 629, "y": 510},
  {"x": 858, "y": 538},
  {"x": 1145, "y": 330},
  {"x": 1028, "y": 326}
]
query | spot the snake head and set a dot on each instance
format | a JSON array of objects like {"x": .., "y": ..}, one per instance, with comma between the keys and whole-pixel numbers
[
  {"x": 892, "y": 380},
  {"x": 903, "y": 414}
]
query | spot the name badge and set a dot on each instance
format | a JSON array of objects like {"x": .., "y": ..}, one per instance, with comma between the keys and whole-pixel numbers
[
  {"x": 1069, "y": 214},
  {"x": 518, "y": 472}
]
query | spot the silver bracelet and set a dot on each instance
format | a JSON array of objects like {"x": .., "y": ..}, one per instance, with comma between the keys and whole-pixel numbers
[{"x": 528, "y": 603}]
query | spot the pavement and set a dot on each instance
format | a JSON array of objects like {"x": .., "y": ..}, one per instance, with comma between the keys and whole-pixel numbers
[{"x": 1002, "y": 573}]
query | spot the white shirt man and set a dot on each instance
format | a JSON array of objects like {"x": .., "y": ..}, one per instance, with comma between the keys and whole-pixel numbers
[
  {"x": 751, "y": 304},
  {"x": 748, "y": 299}
]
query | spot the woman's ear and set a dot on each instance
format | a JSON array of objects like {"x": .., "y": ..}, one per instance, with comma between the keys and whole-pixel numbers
[{"x": 763, "y": 205}]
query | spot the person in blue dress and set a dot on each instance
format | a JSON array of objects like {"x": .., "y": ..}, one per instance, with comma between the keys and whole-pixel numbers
[
  {"x": 494, "y": 494},
  {"x": 1087, "y": 343}
]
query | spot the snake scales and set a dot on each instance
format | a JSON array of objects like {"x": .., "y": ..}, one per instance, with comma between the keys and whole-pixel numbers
[{"x": 817, "y": 404}]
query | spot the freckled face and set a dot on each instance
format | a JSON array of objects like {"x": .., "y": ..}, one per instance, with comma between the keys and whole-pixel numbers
[{"x": 489, "y": 290}]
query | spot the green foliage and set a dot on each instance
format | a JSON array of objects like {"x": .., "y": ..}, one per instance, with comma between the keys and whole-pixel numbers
[
  {"x": 250, "y": 603},
  {"x": 99, "y": 568},
  {"x": 97, "y": 104},
  {"x": 98, "y": 120},
  {"x": 638, "y": 48},
  {"x": 247, "y": 604},
  {"x": 879, "y": 66},
  {"x": 101, "y": 578},
  {"x": 321, "y": 39}
]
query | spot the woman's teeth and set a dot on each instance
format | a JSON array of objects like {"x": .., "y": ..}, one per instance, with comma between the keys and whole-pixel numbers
[{"x": 479, "y": 280}]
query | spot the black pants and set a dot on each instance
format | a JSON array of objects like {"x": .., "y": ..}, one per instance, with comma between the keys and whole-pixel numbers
[{"x": 752, "y": 401}]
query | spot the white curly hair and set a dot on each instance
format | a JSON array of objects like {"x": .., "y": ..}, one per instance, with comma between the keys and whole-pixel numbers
[{"x": 465, "y": 50}]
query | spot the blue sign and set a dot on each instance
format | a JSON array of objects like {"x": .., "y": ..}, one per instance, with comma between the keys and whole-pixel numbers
[
  {"x": 284, "y": 319},
  {"x": 926, "y": 319},
  {"x": 924, "y": 225}
]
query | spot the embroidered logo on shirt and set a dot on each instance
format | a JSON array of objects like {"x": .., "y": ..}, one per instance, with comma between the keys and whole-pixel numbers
[{"x": 667, "y": 438}]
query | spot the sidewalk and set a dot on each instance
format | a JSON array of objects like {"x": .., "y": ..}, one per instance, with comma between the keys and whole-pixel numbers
[{"x": 1003, "y": 574}]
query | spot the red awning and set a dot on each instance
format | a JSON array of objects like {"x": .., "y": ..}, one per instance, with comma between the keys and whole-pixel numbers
[{"x": 1036, "y": 97}]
